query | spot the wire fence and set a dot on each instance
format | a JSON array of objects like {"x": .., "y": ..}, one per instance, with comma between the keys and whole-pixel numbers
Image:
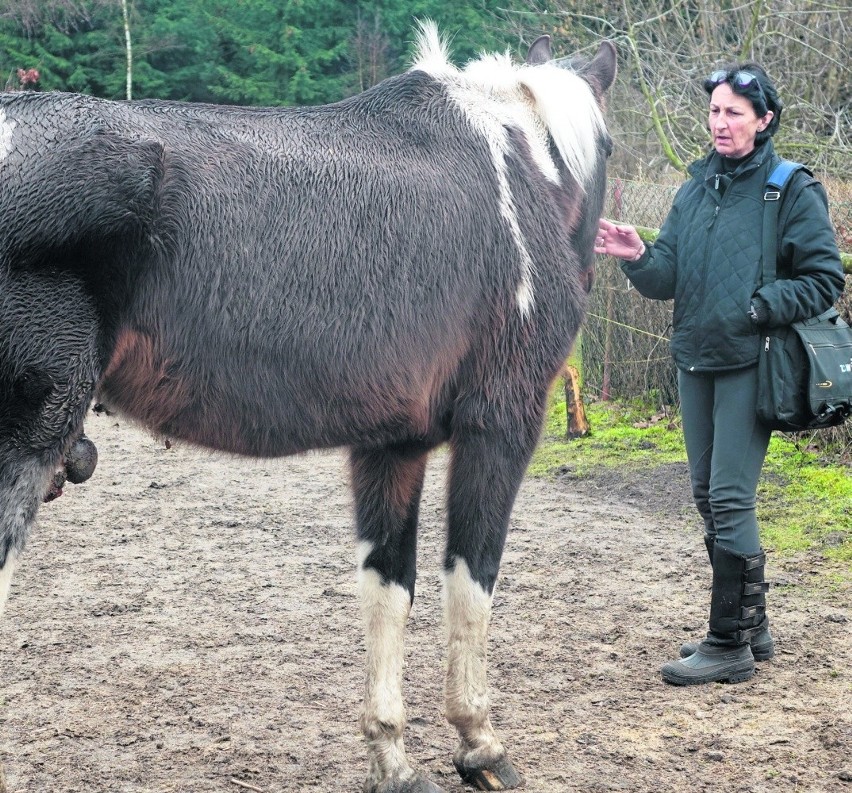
[{"x": 624, "y": 347}]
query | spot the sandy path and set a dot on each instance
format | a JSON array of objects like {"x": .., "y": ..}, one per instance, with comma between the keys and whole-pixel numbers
[{"x": 188, "y": 622}]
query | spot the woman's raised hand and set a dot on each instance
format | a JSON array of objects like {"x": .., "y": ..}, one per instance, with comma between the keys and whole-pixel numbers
[{"x": 623, "y": 242}]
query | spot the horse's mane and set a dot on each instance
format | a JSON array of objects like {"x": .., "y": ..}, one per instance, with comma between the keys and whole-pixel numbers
[{"x": 537, "y": 99}]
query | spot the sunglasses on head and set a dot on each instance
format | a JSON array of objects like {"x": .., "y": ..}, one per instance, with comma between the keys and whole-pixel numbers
[{"x": 740, "y": 78}]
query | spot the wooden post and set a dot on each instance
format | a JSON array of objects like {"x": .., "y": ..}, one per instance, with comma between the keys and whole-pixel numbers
[
  {"x": 618, "y": 212},
  {"x": 578, "y": 425}
]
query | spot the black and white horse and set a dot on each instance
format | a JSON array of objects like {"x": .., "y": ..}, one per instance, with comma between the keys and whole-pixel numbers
[{"x": 402, "y": 269}]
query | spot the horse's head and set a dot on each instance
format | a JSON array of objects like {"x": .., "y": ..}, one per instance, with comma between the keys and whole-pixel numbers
[{"x": 599, "y": 72}]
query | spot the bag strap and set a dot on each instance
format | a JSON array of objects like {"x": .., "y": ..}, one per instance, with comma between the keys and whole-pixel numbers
[
  {"x": 831, "y": 314},
  {"x": 772, "y": 195}
]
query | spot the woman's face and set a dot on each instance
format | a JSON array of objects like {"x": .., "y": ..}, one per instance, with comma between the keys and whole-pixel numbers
[{"x": 733, "y": 122}]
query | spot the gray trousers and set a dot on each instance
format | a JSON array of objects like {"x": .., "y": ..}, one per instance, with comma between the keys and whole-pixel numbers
[{"x": 726, "y": 446}]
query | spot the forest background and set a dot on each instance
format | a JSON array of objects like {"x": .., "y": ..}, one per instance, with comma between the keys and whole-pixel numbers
[{"x": 288, "y": 52}]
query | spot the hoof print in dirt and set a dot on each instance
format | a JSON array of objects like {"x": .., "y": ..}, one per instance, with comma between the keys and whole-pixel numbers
[
  {"x": 81, "y": 461},
  {"x": 499, "y": 775}
]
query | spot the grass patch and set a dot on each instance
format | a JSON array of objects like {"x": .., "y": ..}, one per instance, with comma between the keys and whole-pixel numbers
[
  {"x": 614, "y": 441},
  {"x": 804, "y": 504}
]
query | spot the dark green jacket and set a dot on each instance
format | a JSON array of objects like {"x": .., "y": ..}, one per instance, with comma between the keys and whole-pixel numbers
[{"x": 708, "y": 259}]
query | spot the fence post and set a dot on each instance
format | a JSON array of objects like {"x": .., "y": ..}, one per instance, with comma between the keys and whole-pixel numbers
[
  {"x": 578, "y": 425},
  {"x": 618, "y": 205}
]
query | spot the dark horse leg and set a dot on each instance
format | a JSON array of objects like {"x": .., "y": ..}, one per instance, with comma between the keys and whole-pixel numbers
[
  {"x": 488, "y": 465},
  {"x": 387, "y": 484},
  {"x": 48, "y": 367}
]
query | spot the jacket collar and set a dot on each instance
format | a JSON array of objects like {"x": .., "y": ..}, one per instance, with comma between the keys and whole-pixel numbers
[{"x": 707, "y": 167}]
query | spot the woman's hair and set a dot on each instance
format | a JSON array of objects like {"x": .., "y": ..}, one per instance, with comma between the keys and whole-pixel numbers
[{"x": 751, "y": 81}]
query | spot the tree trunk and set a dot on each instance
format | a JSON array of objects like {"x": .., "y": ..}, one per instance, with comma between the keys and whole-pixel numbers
[{"x": 128, "y": 47}]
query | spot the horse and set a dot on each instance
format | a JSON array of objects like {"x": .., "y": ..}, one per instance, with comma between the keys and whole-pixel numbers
[{"x": 400, "y": 270}]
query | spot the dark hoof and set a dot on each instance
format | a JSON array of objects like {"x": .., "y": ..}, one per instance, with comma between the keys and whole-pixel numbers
[
  {"x": 499, "y": 775},
  {"x": 81, "y": 460},
  {"x": 419, "y": 784}
]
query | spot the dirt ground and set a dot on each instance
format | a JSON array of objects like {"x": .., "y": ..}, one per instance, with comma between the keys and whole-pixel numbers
[{"x": 188, "y": 622}]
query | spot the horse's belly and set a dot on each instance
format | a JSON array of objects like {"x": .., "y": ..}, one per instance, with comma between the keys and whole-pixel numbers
[{"x": 243, "y": 406}]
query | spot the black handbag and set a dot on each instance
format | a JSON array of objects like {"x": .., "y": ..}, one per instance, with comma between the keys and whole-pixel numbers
[{"x": 804, "y": 369}]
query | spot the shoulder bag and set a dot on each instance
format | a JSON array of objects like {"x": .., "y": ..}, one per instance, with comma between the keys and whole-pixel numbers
[{"x": 805, "y": 369}]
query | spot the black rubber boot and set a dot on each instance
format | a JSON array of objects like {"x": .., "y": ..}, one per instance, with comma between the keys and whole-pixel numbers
[
  {"x": 737, "y": 607},
  {"x": 762, "y": 643}
]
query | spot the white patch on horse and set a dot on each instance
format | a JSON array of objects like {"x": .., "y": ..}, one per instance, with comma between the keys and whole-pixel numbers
[
  {"x": 384, "y": 609},
  {"x": 486, "y": 115},
  {"x": 467, "y": 608},
  {"x": 7, "y": 127},
  {"x": 6, "y": 578},
  {"x": 498, "y": 142},
  {"x": 541, "y": 102}
]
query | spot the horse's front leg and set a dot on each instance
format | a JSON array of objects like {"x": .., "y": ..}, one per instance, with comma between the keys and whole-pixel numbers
[
  {"x": 387, "y": 484},
  {"x": 487, "y": 469}
]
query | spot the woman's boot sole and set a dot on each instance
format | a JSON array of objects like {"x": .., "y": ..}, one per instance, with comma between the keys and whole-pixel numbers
[{"x": 739, "y": 676}]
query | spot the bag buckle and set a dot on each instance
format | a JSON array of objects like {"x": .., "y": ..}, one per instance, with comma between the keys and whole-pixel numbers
[
  {"x": 833, "y": 414},
  {"x": 772, "y": 195}
]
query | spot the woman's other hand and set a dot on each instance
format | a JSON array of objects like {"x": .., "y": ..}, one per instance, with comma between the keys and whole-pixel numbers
[{"x": 623, "y": 242}]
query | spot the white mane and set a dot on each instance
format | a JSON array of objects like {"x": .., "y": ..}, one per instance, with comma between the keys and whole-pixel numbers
[{"x": 494, "y": 92}]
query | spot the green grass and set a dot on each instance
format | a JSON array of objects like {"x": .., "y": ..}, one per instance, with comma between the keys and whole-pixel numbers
[
  {"x": 804, "y": 504},
  {"x": 614, "y": 440}
]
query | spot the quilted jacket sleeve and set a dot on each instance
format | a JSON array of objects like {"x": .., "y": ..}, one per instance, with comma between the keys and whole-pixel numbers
[
  {"x": 655, "y": 274},
  {"x": 810, "y": 273}
]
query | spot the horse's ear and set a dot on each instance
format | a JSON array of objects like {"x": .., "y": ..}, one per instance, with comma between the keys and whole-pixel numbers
[
  {"x": 540, "y": 51},
  {"x": 601, "y": 70}
]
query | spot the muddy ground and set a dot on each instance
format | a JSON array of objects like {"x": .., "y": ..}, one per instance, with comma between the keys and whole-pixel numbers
[{"x": 187, "y": 622}]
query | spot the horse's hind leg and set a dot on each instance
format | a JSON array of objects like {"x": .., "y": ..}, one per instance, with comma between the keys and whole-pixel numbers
[
  {"x": 487, "y": 469},
  {"x": 387, "y": 484},
  {"x": 48, "y": 364}
]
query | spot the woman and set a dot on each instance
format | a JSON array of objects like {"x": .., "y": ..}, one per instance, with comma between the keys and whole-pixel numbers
[{"x": 707, "y": 258}]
